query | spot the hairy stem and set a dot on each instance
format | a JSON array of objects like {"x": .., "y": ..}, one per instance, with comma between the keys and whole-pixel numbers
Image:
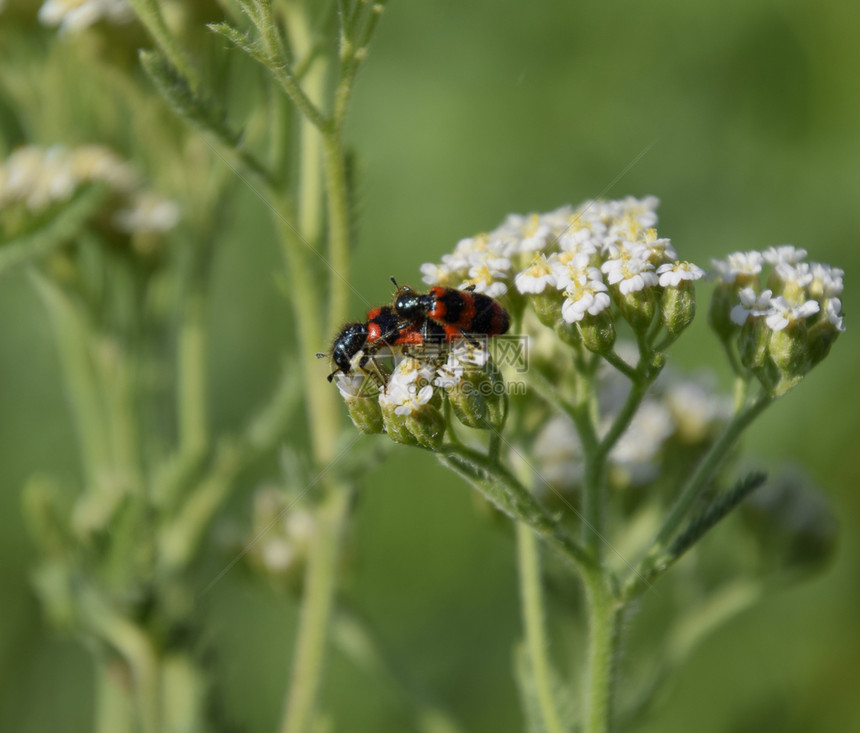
[
  {"x": 531, "y": 601},
  {"x": 604, "y": 618},
  {"x": 191, "y": 389},
  {"x": 319, "y": 589}
]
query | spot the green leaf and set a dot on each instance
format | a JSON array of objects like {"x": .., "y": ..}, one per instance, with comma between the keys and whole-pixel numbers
[
  {"x": 55, "y": 231},
  {"x": 177, "y": 92},
  {"x": 718, "y": 509},
  {"x": 240, "y": 40}
]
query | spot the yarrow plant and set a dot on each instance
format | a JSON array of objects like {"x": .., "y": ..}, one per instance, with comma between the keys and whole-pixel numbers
[
  {"x": 617, "y": 463},
  {"x": 566, "y": 420}
]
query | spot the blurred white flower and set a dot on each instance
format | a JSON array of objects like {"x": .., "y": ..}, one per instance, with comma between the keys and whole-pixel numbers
[
  {"x": 148, "y": 212},
  {"x": 673, "y": 274},
  {"x": 782, "y": 312},
  {"x": 76, "y": 15}
]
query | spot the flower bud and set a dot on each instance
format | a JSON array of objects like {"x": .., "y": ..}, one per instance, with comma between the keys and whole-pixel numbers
[
  {"x": 427, "y": 426},
  {"x": 598, "y": 332},
  {"x": 408, "y": 412},
  {"x": 636, "y": 307},
  {"x": 395, "y": 425},
  {"x": 719, "y": 315},
  {"x": 825, "y": 331},
  {"x": 678, "y": 307},
  {"x": 753, "y": 342},
  {"x": 568, "y": 332},
  {"x": 362, "y": 402},
  {"x": 788, "y": 350},
  {"x": 547, "y": 305}
]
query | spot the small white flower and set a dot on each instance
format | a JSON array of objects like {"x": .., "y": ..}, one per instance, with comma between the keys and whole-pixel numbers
[
  {"x": 673, "y": 274},
  {"x": 590, "y": 297},
  {"x": 833, "y": 311},
  {"x": 782, "y": 313},
  {"x": 527, "y": 233},
  {"x": 448, "y": 376},
  {"x": 660, "y": 248},
  {"x": 795, "y": 276},
  {"x": 643, "y": 211},
  {"x": 414, "y": 401},
  {"x": 404, "y": 391},
  {"x": 752, "y": 304},
  {"x": 456, "y": 261},
  {"x": 783, "y": 254},
  {"x": 490, "y": 288},
  {"x": 572, "y": 269},
  {"x": 349, "y": 385},
  {"x": 469, "y": 352},
  {"x": 826, "y": 281},
  {"x": 631, "y": 271},
  {"x": 536, "y": 277},
  {"x": 738, "y": 264},
  {"x": 433, "y": 274}
]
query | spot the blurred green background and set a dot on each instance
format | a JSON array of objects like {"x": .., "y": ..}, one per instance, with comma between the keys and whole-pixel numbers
[{"x": 750, "y": 116}]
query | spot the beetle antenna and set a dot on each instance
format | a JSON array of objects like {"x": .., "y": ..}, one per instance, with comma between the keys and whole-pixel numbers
[
  {"x": 391, "y": 277},
  {"x": 320, "y": 355}
]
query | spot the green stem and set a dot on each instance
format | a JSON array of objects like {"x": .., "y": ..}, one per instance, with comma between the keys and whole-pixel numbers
[
  {"x": 114, "y": 711},
  {"x": 604, "y": 618},
  {"x": 323, "y": 410},
  {"x": 584, "y": 417},
  {"x": 622, "y": 420},
  {"x": 191, "y": 389},
  {"x": 73, "y": 337},
  {"x": 137, "y": 649},
  {"x": 278, "y": 63},
  {"x": 353, "y": 51},
  {"x": 531, "y": 600},
  {"x": 706, "y": 468},
  {"x": 621, "y": 365},
  {"x": 310, "y": 190},
  {"x": 337, "y": 194},
  {"x": 319, "y": 589}
]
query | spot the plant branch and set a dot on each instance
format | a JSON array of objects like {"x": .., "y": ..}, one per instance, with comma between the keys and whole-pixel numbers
[
  {"x": 501, "y": 488},
  {"x": 693, "y": 488}
]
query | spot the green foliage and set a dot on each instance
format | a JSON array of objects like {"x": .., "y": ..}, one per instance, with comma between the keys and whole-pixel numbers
[{"x": 163, "y": 360}]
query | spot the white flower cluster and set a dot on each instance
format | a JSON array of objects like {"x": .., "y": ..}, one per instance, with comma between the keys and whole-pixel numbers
[
  {"x": 414, "y": 382},
  {"x": 579, "y": 252},
  {"x": 76, "y": 15},
  {"x": 795, "y": 290},
  {"x": 408, "y": 389},
  {"x": 37, "y": 178}
]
